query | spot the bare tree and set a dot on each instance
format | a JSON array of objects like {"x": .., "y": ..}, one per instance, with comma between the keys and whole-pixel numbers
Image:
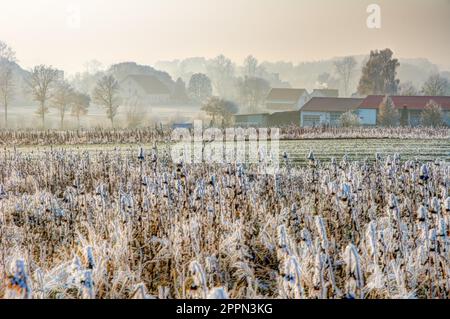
[
  {"x": 221, "y": 73},
  {"x": 41, "y": 83},
  {"x": 93, "y": 66},
  {"x": 252, "y": 92},
  {"x": 408, "y": 89},
  {"x": 7, "y": 53},
  {"x": 436, "y": 85},
  {"x": 250, "y": 66},
  {"x": 345, "y": 69},
  {"x": 6, "y": 88},
  {"x": 80, "y": 105},
  {"x": 62, "y": 99},
  {"x": 7, "y": 57},
  {"x": 106, "y": 95},
  {"x": 199, "y": 87}
]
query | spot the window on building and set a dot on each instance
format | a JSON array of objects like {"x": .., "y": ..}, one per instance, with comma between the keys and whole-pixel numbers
[
  {"x": 334, "y": 117},
  {"x": 311, "y": 120},
  {"x": 414, "y": 117}
]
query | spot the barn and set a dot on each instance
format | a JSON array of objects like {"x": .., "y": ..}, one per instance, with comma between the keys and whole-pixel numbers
[{"x": 326, "y": 110}]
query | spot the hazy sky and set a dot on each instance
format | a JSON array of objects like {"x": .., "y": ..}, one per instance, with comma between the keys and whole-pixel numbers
[{"x": 47, "y": 31}]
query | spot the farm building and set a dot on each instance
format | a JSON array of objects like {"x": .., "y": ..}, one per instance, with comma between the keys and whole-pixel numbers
[
  {"x": 284, "y": 118},
  {"x": 325, "y": 93},
  {"x": 326, "y": 110},
  {"x": 283, "y": 99},
  {"x": 147, "y": 89},
  {"x": 266, "y": 119},
  {"x": 368, "y": 109},
  {"x": 410, "y": 107},
  {"x": 251, "y": 120}
]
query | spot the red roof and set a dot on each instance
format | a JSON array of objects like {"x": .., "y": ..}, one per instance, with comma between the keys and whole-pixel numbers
[
  {"x": 411, "y": 102},
  {"x": 419, "y": 102},
  {"x": 371, "y": 102}
]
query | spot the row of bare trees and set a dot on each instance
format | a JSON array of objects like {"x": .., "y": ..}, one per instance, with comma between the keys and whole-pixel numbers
[
  {"x": 46, "y": 85},
  {"x": 49, "y": 89}
]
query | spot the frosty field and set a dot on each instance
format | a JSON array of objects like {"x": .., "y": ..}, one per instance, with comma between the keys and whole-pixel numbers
[
  {"x": 110, "y": 221},
  {"x": 324, "y": 149}
]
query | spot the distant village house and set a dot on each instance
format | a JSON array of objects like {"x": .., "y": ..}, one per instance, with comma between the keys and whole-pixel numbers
[
  {"x": 282, "y": 99},
  {"x": 147, "y": 88},
  {"x": 320, "y": 111},
  {"x": 280, "y": 119},
  {"x": 326, "y": 110},
  {"x": 251, "y": 120},
  {"x": 409, "y": 107}
]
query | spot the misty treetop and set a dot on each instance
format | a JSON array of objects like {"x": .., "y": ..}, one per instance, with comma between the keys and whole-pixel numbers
[
  {"x": 379, "y": 75},
  {"x": 436, "y": 85},
  {"x": 200, "y": 87}
]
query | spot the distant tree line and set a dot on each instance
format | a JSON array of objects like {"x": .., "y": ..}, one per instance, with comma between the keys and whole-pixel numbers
[{"x": 222, "y": 89}]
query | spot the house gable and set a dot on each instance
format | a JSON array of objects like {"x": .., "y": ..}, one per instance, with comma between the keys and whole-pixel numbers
[{"x": 284, "y": 99}]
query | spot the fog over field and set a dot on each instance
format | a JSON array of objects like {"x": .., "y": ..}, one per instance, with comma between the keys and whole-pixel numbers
[{"x": 173, "y": 40}]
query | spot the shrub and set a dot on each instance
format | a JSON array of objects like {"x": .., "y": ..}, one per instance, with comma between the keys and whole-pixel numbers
[
  {"x": 388, "y": 114},
  {"x": 349, "y": 119},
  {"x": 432, "y": 115}
]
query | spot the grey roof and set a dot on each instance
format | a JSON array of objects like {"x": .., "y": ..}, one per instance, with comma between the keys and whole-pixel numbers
[
  {"x": 283, "y": 94},
  {"x": 149, "y": 83},
  {"x": 331, "y": 104}
]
